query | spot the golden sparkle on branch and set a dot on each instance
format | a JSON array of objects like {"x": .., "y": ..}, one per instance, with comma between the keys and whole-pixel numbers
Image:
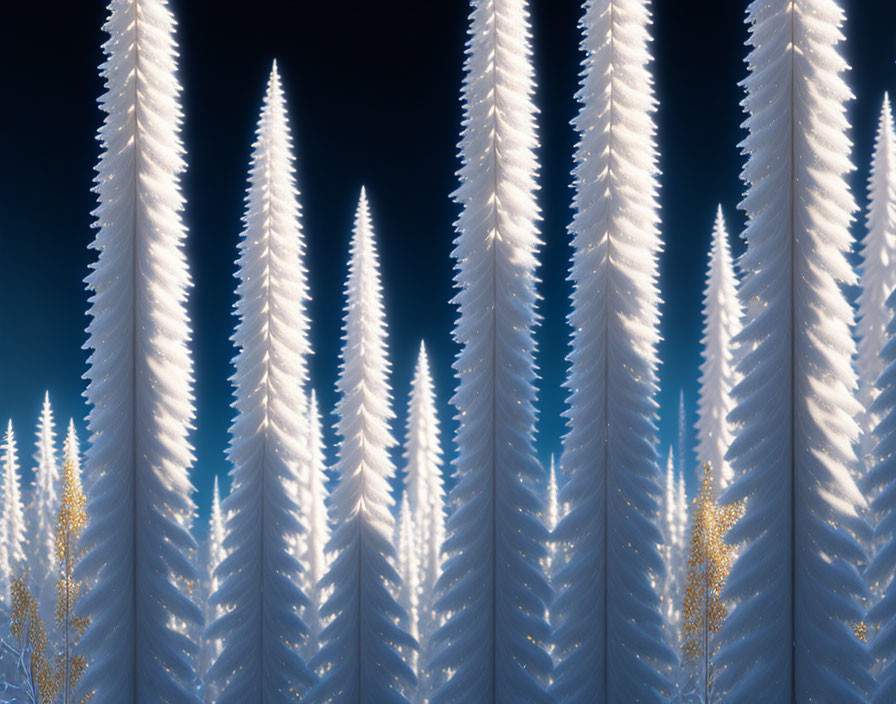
[
  {"x": 55, "y": 683},
  {"x": 709, "y": 562}
]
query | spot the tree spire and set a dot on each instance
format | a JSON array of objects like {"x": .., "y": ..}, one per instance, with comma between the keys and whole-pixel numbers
[
  {"x": 42, "y": 513},
  {"x": 13, "y": 532},
  {"x": 722, "y": 314},
  {"x": 261, "y": 629},
  {"x": 360, "y": 651}
]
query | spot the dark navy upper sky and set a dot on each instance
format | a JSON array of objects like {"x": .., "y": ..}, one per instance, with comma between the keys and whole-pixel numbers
[{"x": 373, "y": 94}]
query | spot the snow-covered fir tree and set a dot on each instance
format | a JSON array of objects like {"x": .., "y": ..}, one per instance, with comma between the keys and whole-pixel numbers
[
  {"x": 881, "y": 483},
  {"x": 878, "y": 280},
  {"x": 259, "y": 578},
  {"x": 14, "y": 538},
  {"x": 492, "y": 588},
  {"x": 212, "y": 555},
  {"x": 424, "y": 494},
  {"x": 722, "y": 312},
  {"x": 795, "y": 584},
  {"x": 610, "y": 642},
  {"x": 139, "y": 378},
  {"x": 41, "y": 515},
  {"x": 360, "y": 646},
  {"x": 314, "y": 509}
]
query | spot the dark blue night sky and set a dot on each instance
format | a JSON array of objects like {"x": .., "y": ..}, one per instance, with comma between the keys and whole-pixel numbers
[{"x": 373, "y": 92}]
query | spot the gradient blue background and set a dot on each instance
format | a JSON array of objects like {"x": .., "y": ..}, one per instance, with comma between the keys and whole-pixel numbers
[{"x": 373, "y": 94}]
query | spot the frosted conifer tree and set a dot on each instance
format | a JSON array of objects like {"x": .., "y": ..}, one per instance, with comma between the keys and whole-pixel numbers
[
  {"x": 212, "y": 555},
  {"x": 878, "y": 279},
  {"x": 14, "y": 539},
  {"x": 314, "y": 509},
  {"x": 426, "y": 502},
  {"x": 722, "y": 314},
  {"x": 139, "y": 378},
  {"x": 42, "y": 514},
  {"x": 259, "y": 591},
  {"x": 492, "y": 588},
  {"x": 795, "y": 583},
  {"x": 881, "y": 483},
  {"x": 360, "y": 645},
  {"x": 610, "y": 642}
]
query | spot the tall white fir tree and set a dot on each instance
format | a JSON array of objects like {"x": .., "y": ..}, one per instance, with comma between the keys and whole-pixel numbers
[
  {"x": 425, "y": 496},
  {"x": 878, "y": 280},
  {"x": 360, "y": 654},
  {"x": 314, "y": 507},
  {"x": 880, "y": 482},
  {"x": 609, "y": 636},
  {"x": 795, "y": 585},
  {"x": 492, "y": 589},
  {"x": 139, "y": 378},
  {"x": 14, "y": 537},
  {"x": 41, "y": 514},
  {"x": 260, "y": 591},
  {"x": 722, "y": 314}
]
